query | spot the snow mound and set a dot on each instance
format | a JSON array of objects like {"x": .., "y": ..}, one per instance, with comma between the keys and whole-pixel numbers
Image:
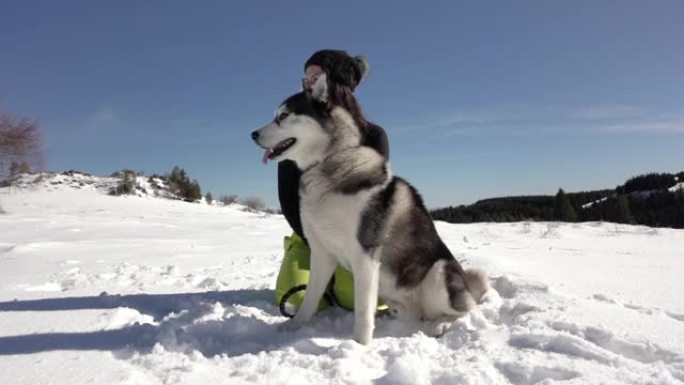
[
  {"x": 70, "y": 180},
  {"x": 52, "y": 181}
]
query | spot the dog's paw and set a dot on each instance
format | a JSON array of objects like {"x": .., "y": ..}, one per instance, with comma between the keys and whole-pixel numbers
[
  {"x": 363, "y": 340},
  {"x": 364, "y": 336},
  {"x": 290, "y": 326},
  {"x": 437, "y": 328}
]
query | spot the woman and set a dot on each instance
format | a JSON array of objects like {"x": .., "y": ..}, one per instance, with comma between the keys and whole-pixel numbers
[{"x": 343, "y": 74}]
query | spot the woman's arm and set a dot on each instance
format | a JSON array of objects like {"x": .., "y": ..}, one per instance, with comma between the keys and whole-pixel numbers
[{"x": 288, "y": 194}]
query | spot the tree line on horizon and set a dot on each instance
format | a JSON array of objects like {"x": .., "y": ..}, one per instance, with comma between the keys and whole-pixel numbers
[{"x": 644, "y": 200}]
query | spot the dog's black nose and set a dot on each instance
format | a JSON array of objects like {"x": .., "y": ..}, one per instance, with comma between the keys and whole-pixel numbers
[{"x": 255, "y": 135}]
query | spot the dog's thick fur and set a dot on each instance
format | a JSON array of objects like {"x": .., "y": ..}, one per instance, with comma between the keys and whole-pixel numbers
[{"x": 356, "y": 214}]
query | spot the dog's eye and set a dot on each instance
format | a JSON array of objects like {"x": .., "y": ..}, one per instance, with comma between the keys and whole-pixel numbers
[{"x": 282, "y": 116}]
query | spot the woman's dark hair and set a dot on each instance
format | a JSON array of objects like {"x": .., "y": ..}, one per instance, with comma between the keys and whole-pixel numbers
[
  {"x": 341, "y": 68},
  {"x": 343, "y": 96}
]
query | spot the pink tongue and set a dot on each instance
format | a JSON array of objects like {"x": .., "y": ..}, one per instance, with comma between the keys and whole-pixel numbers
[{"x": 266, "y": 154}]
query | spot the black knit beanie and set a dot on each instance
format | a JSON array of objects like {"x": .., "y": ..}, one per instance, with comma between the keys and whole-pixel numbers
[{"x": 340, "y": 67}]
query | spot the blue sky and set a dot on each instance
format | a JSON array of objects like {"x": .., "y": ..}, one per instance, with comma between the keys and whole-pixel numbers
[{"x": 479, "y": 99}]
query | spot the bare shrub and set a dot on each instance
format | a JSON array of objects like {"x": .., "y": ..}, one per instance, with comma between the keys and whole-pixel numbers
[
  {"x": 228, "y": 199},
  {"x": 254, "y": 203},
  {"x": 20, "y": 145}
]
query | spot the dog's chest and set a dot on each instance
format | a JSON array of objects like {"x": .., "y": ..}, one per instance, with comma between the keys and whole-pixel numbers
[{"x": 333, "y": 217}]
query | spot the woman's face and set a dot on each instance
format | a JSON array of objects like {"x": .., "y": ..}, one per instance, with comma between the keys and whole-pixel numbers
[{"x": 311, "y": 74}]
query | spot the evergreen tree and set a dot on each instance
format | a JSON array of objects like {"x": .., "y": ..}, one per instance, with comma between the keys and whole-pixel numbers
[
  {"x": 563, "y": 208},
  {"x": 177, "y": 181},
  {"x": 192, "y": 191},
  {"x": 623, "y": 213},
  {"x": 180, "y": 185},
  {"x": 126, "y": 183}
]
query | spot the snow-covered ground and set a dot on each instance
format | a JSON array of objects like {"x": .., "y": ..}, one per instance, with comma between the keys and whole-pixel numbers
[{"x": 141, "y": 290}]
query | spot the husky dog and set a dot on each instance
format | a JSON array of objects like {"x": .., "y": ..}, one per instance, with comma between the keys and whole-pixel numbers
[{"x": 355, "y": 213}]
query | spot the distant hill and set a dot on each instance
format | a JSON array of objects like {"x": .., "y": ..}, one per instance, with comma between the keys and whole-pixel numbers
[
  {"x": 124, "y": 182},
  {"x": 655, "y": 200},
  {"x": 52, "y": 181},
  {"x": 176, "y": 185}
]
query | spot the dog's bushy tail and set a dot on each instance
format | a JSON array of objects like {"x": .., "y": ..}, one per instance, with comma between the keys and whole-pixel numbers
[{"x": 478, "y": 283}]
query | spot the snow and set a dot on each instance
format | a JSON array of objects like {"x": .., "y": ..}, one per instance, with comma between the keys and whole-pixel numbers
[
  {"x": 143, "y": 290},
  {"x": 588, "y": 205}
]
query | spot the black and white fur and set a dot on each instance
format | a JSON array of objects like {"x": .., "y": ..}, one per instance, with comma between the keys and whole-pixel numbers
[{"x": 355, "y": 213}]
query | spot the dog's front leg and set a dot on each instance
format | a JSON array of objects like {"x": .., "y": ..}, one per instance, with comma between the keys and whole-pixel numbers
[
  {"x": 322, "y": 268},
  {"x": 366, "y": 272}
]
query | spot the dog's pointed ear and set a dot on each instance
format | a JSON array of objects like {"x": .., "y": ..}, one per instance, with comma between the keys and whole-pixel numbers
[{"x": 319, "y": 90}]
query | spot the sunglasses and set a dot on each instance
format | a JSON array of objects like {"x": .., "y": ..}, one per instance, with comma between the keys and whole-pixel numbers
[{"x": 309, "y": 82}]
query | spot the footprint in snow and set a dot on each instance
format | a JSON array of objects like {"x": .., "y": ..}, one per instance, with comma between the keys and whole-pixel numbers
[{"x": 520, "y": 374}]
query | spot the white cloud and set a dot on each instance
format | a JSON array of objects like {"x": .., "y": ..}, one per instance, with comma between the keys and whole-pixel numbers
[
  {"x": 104, "y": 118},
  {"x": 630, "y": 119},
  {"x": 526, "y": 119},
  {"x": 608, "y": 112},
  {"x": 675, "y": 126}
]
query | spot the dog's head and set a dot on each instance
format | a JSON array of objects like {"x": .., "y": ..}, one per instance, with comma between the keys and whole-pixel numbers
[{"x": 298, "y": 131}]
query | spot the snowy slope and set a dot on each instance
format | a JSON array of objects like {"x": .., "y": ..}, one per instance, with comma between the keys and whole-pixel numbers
[
  {"x": 69, "y": 180},
  {"x": 140, "y": 290}
]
